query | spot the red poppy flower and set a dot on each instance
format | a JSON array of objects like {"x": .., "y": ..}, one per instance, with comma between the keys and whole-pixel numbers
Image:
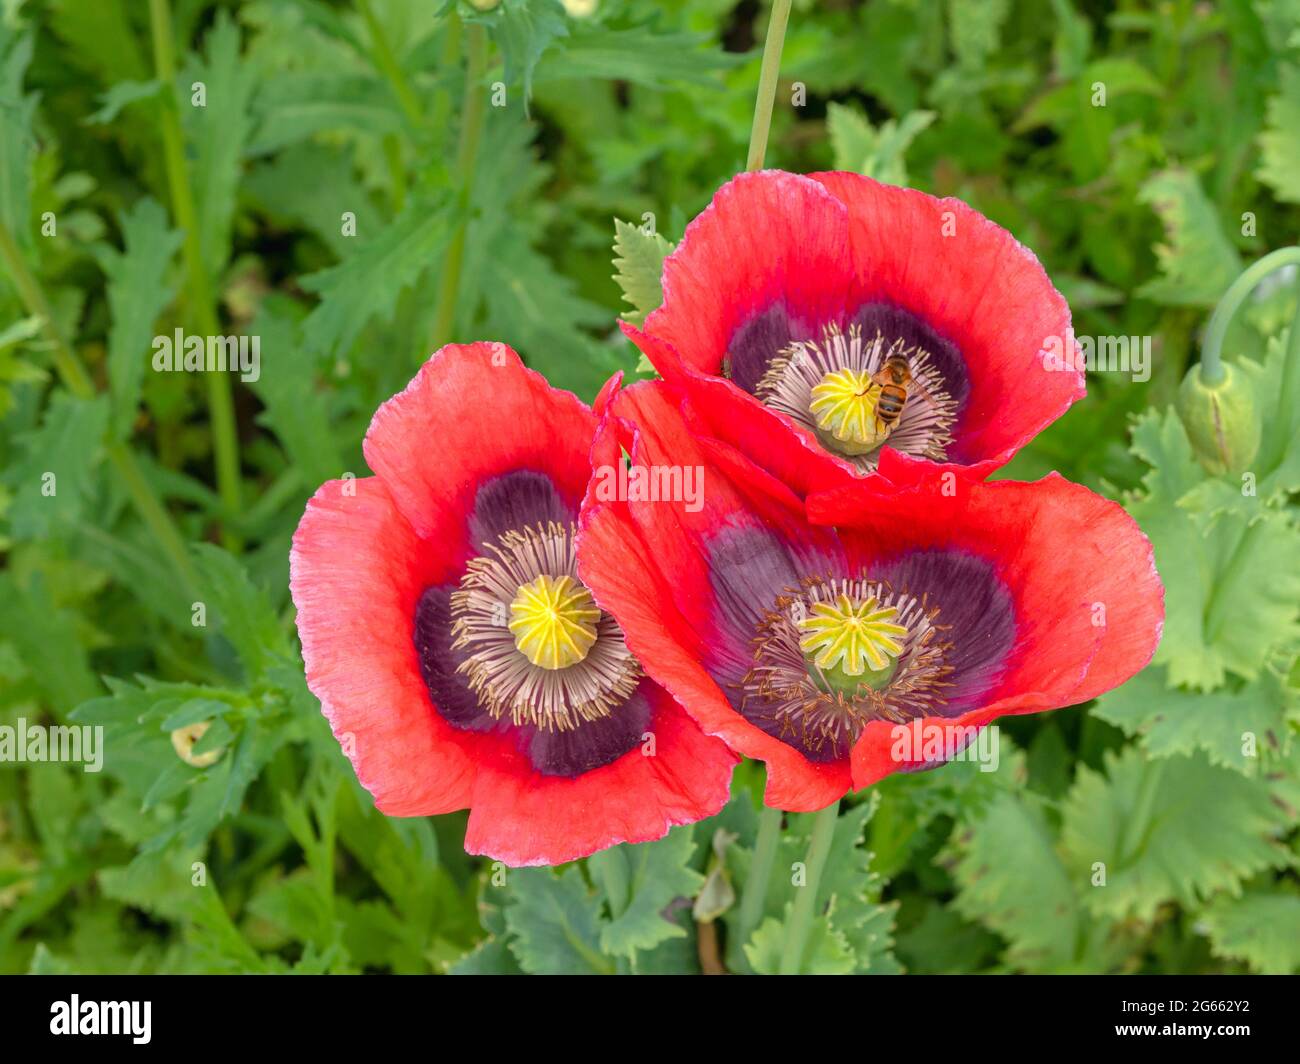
[
  {"x": 808, "y": 642},
  {"x": 877, "y": 325},
  {"x": 458, "y": 658}
]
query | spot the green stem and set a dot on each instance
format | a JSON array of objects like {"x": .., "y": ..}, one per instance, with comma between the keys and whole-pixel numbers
[
  {"x": 78, "y": 381},
  {"x": 805, "y": 902},
  {"x": 386, "y": 61},
  {"x": 471, "y": 135},
  {"x": 221, "y": 407},
  {"x": 1212, "y": 371},
  {"x": 753, "y": 896},
  {"x": 769, "y": 72}
]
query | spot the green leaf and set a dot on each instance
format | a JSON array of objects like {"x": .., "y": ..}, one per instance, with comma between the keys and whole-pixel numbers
[
  {"x": 119, "y": 97},
  {"x": 827, "y": 951},
  {"x": 1197, "y": 261},
  {"x": 295, "y": 106},
  {"x": 219, "y": 132},
  {"x": 638, "y": 55},
  {"x": 138, "y": 293},
  {"x": 555, "y": 922},
  {"x": 368, "y": 282},
  {"x": 1178, "y": 829},
  {"x": 1261, "y": 928},
  {"x": 1279, "y": 144},
  {"x": 1226, "y": 726},
  {"x": 524, "y": 29},
  {"x": 877, "y": 153},
  {"x": 58, "y": 473},
  {"x": 1011, "y": 879},
  {"x": 297, "y": 410},
  {"x": 659, "y": 873},
  {"x": 1231, "y": 587},
  {"x": 247, "y": 618},
  {"x": 638, "y": 263},
  {"x": 975, "y": 30}
]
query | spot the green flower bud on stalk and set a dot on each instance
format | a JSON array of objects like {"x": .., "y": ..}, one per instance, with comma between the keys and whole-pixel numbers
[{"x": 1221, "y": 420}]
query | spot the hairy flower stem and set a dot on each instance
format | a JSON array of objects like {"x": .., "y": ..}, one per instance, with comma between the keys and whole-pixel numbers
[
  {"x": 77, "y": 381},
  {"x": 474, "y": 103},
  {"x": 805, "y": 901},
  {"x": 221, "y": 407},
  {"x": 1212, "y": 371},
  {"x": 753, "y": 896},
  {"x": 769, "y": 72}
]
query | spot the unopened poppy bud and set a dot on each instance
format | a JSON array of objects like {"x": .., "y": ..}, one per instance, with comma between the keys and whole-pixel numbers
[
  {"x": 1221, "y": 420},
  {"x": 185, "y": 739}
]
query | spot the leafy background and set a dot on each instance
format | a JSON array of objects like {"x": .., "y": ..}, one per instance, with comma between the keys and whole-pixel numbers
[{"x": 1142, "y": 210}]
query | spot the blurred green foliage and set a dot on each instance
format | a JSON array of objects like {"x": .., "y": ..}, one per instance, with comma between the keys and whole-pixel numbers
[{"x": 342, "y": 166}]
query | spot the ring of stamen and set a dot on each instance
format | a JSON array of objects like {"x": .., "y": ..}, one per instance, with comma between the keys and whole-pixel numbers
[
  {"x": 822, "y": 385},
  {"x": 541, "y": 652},
  {"x": 818, "y": 705}
]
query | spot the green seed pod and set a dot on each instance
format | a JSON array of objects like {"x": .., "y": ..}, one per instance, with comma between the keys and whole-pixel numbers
[{"x": 1221, "y": 420}]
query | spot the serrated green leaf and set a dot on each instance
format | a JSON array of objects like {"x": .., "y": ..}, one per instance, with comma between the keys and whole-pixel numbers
[
  {"x": 1231, "y": 588},
  {"x": 1178, "y": 829},
  {"x": 137, "y": 294},
  {"x": 524, "y": 29},
  {"x": 297, "y": 411},
  {"x": 218, "y": 132},
  {"x": 121, "y": 96},
  {"x": 246, "y": 617},
  {"x": 1279, "y": 144},
  {"x": 1011, "y": 879},
  {"x": 826, "y": 952},
  {"x": 659, "y": 872},
  {"x": 58, "y": 474},
  {"x": 878, "y": 154},
  {"x": 975, "y": 30},
  {"x": 638, "y": 264},
  {"x": 638, "y": 55},
  {"x": 1197, "y": 261},
  {"x": 1261, "y": 928},
  {"x": 368, "y": 282},
  {"x": 555, "y": 922},
  {"x": 1233, "y": 729}
]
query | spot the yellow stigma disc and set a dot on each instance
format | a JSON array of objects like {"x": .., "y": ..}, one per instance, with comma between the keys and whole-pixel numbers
[
  {"x": 854, "y": 638},
  {"x": 844, "y": 406},
  {"x": 554, "y": 621}
]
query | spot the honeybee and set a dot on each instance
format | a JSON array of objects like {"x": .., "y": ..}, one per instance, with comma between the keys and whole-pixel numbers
[{"x": 893, "y": 380}]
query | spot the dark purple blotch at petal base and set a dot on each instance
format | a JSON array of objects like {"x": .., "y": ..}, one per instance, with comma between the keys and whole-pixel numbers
[
  {"x": 975, "y": 611},
  {"x": 763, "y": 338},
  {"x": 552, "y": 753},
  {"x": 517, "y": 500},
  {"x": 506, "y": 503}
]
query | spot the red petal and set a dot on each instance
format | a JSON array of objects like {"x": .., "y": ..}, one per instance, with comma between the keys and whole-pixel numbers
[
  {"x": 1061, "y": 550},
  {"x": 523, "y": 818},
  {"x": 972, "y": 281},
  {"x": 472, "y": 412},
  {"x": 767, "y": 237},
  {"x": 356, "y": 570}
]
